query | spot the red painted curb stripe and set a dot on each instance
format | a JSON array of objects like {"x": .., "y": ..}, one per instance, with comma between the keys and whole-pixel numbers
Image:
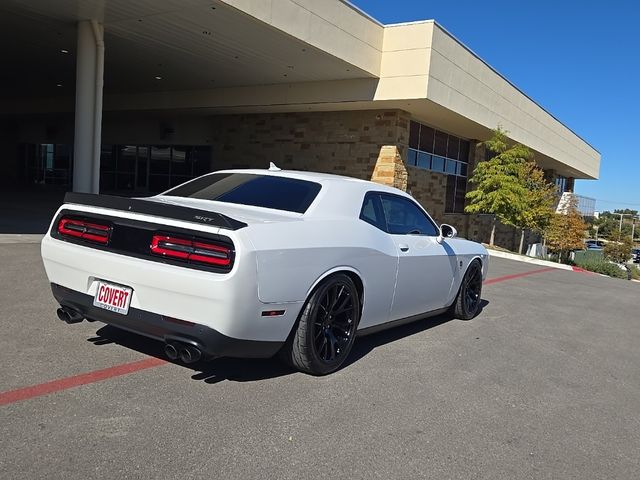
[
  {"x": 582, "y": 270},
  {"x": 77, "y": 380},
  {"x": 517, "y": 275}
]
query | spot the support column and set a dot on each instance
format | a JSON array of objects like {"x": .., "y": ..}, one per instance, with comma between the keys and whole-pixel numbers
[
  {"x": 390, "y": 169},
  {"x": 88, "y": 114}
]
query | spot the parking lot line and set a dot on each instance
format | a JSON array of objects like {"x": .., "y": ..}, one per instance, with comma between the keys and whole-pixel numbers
[
  {"x": 491, "y": 281},
  {"x": 53, "y": 386},
  {"x": 77, "y": 380}
]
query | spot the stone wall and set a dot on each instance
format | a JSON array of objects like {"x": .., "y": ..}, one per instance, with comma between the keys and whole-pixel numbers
[
  {"x": 344, "y": 143},
  {"x": 429, "y": 188}
]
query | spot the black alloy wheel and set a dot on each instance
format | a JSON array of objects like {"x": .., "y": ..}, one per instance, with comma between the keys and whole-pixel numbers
[
  {"x": 467, "y": 304},
  {"x": 326, "y": 328},
  {"x": 333, "y": 325}
]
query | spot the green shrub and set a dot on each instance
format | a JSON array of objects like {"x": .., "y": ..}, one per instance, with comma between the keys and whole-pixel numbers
[
  {"x": 602, "y": 266},
  {"x": 619, "y": 252},
  {"x": 635, "y": 272}
]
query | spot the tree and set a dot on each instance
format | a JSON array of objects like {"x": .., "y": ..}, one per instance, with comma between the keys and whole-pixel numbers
[
  {"x": 619, "y": 252},
  {"x": 565, "y": 231},
  {"x": 511, "y": 187},
  {"x": 609, "y": 226},
  {"x": 539, "y": 201},
  {"x": 626, "y": 211}
]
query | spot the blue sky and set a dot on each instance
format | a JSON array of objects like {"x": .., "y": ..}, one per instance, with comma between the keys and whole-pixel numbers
[{"x": 580, "y": 60}]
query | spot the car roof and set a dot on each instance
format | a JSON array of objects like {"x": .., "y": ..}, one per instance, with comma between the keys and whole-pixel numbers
[{"x": 324, "y": 178}]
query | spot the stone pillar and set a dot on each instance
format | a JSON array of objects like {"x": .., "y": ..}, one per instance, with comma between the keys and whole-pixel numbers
[{"x": 390, "y": 169}]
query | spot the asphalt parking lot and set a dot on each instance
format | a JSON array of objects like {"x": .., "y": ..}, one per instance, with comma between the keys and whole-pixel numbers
[{"x": 544, "y": 383}]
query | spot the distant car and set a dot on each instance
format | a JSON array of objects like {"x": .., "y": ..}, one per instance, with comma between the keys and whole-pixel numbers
[
  {"x": 594, "y": 245},
  {"x": 246, "y": 263},
  {"x": 635, "y": 255}
]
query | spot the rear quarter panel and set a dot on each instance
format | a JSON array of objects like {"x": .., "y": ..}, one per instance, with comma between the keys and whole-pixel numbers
[{"x": 293, "y": 257}]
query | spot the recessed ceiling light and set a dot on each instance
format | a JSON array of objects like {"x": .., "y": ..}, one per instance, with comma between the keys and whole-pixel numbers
[
  {"x": 58, "y": 84},
  {"x": 64, "y": 50},
  {"x": 158, "y": 77}
]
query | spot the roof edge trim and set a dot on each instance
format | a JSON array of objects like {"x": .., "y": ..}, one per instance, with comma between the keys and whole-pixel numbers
[{"x": 362, "y": 12}]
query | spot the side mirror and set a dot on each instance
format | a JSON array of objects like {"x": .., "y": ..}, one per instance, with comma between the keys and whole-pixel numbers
[{"x": 447, "y": 231}]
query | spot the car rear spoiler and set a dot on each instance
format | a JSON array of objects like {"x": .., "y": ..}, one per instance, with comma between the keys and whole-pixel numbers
[{"x": 157, "y": 209}]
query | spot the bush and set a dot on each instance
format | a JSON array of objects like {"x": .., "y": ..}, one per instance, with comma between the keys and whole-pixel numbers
[
  {"x": 602, "y": 266},
  {"x": 635, "y": 272},
  {"x": 619, "y": 252}
]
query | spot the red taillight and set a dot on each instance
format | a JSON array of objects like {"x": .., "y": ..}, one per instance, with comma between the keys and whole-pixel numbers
[
  {"x": 87, "y": 230},
  {"x": 194, "y": 251}
]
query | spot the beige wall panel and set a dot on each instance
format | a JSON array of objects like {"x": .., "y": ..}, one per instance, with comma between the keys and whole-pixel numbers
[
  {"x": 261, "y": 9},
  {"x": 348, "y": 19},
  {"x": 407, "y": 36},
  {"x": 331, "y": 26},
  {"x": 393, "y": 88},
  {"x": 288, "y": 16},
  {"x": 400, "y": 63},
  {"x": 464, "y": 84}
]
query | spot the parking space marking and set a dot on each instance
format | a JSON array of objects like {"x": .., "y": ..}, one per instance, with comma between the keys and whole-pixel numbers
[
  {"x": 517, "y": 275},
  {"x": 26, "y": 393},
  {"x": 41, "y": 389}
]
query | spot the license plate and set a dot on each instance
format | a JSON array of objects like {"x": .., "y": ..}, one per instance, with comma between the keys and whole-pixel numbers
[{"x": 115, "y": 298}]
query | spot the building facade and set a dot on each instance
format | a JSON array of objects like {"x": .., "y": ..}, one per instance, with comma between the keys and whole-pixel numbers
[{"x": 196, "y": 86}]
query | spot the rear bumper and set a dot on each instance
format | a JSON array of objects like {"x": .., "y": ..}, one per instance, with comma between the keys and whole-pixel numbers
[{"x": 211, "y": 342}]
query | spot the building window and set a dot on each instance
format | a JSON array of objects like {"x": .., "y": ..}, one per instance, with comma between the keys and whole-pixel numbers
[
  {"x": 47, "y": 163},
  {"x": 443, "y": 153},
  {"x": 151, "y": 168},
  {"x": 561, "y": 184}
]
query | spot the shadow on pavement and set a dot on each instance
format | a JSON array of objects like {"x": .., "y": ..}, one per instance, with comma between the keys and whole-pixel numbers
[{"x": 249, "y": 370}]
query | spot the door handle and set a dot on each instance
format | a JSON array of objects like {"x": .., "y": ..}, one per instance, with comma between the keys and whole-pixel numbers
[{"x": 403, "y": 247}]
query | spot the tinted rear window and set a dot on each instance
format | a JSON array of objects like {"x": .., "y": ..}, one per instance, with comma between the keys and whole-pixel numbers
[{"x": 280, "y": 193}]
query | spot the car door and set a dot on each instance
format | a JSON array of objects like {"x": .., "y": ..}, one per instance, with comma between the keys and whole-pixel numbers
[{"x": 426, "y": 267}]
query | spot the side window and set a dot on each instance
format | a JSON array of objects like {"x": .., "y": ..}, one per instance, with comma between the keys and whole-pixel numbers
[
  {"x": 372, "y": 211},
  {"x": 404, "y": 217}
]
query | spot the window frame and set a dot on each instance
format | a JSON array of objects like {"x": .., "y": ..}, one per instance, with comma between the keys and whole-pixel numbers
[{"x": 378, "y": 195}]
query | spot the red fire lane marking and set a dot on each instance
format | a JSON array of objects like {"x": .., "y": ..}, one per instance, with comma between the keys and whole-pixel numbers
[
  {"x": 77, "y": 380},
  {"x": 516, "y": 275},
  {"x": 41, "y": 389}
]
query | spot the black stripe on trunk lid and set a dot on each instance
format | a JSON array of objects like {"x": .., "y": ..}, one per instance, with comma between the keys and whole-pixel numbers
[{"x": 149, "y": 207}]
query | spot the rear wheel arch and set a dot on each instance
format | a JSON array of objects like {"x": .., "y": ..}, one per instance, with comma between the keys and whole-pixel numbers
[
  {"x": 301, "y": 350},
  {"x": 351, "y": 272}
]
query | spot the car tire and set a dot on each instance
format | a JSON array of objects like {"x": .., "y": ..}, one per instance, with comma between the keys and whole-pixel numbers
[
  {"x": 467, "y": 303},
  {"x": 326, "y": 328}
]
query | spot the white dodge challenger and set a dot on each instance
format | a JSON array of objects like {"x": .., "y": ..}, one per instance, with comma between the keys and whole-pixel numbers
[{"x": 250, "y": 263}]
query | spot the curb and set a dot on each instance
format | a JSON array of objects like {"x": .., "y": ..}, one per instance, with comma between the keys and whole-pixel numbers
[{"x": 533, "y": 261}]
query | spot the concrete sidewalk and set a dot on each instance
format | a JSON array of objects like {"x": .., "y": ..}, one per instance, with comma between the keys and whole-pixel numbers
[{"x": 524, "y": 258}]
